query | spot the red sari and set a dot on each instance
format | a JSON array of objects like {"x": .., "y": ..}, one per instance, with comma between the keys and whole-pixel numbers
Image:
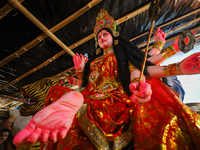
[{"x": 108, "y": 120}]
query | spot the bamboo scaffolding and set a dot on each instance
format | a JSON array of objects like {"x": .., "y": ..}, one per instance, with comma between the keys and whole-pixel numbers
[
  {"x": 176, "y": 29},
  {"x": 75, "y": 15},
  {"x": 1, "y": 110},
  {"x": 7, "y": 104},
  {"x": 40, "y": 25},
  {"x": 6, "y": 9},
  {"x": 184, "y": 16},
  {"x": 16, "y": 105},
  {"x": 72, "y": 68},
  {"x": 11, "y": 98},
  {"x": 175, "y": 37},
  {"x": 76, "y": 44},
  {"x": 37, "y": 40}
]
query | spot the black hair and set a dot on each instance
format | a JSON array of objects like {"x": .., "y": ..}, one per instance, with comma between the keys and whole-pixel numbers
[
  {"x": 5, "y": 130},
  {"x": 125, "y": 52}
]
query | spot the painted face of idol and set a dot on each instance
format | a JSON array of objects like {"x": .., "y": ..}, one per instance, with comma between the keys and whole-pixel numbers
[{"x": 105, "y": 39}]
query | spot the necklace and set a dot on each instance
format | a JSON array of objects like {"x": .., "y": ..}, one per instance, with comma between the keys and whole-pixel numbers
[{"x": 106, "y": 50}]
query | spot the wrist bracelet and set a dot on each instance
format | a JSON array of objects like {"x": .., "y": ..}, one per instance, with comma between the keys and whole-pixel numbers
[
  {"x": 172, "y": 70},
  {"x": 80, "y": 74},
  {"x": 177, "y": 68},
  {"x": 159, "y": 45},
  {"x": 168, "y": 52}
]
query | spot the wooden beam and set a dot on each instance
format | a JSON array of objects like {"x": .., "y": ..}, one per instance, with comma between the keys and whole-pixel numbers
[{"x": 37, "y": 40}]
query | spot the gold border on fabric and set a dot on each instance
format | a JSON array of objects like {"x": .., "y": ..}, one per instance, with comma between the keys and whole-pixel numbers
[
  {"x": 97, "y": 138},
  {"x": 122, "y": 141}
]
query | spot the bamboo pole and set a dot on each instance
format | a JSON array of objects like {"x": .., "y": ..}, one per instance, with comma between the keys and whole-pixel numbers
[
  {"x": 7, "y": 104},
  {"x": 6, "y": 9},
  {"x": 184, "y": 16},
  {"x": 4, "y": 110},
  {"x": 133, "y": 14},
  {"x": 16, "y": 105},
  {"x": 76, "y": 44},
  {"x": 73, "y": 46},
  {"x": 175, "y": 37},
  {"x": 176, "y": 29},
  {"x": 72, "y": 68},
  {"x": 11, "y": 98},
  {"x": 75, "y": 15},
  {"x": 40, "y": 25},
  {"x": 37, "y": 40},
  {"x": 31, "y": 44}
]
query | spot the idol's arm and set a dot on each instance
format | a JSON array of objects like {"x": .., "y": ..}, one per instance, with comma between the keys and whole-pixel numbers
[
  {"x": 159, "y": 38},
  {"x": 188, "y": 66},
  {"x": 165, "y": 54}
]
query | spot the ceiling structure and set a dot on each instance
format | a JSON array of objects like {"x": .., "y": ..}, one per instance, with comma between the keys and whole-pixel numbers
[{"x": 38, "y": 38}]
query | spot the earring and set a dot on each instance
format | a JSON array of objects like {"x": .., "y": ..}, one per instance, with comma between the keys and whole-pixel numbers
[
  {"x": 98, "y": 51},
  {"x": 116, "y": 42}
]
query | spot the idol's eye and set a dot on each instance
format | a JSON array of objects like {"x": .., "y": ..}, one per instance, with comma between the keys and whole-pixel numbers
[
  {"x": 105, "y": 34},
  {"x": 99, "y": 37}
]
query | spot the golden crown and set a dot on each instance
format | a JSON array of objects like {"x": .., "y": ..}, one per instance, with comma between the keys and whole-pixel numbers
[{"x": 104, "y": 20}]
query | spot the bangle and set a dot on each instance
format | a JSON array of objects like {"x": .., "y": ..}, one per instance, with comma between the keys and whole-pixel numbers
[
  {"x": 80, "y": 74},
  {"x": 172, "y": 70},
  {"x": 177, "y": 68},
  {"x": 168, "y": 52},
  {"x": 136, "y": 80},
  {"x": 158, "y": 44}
]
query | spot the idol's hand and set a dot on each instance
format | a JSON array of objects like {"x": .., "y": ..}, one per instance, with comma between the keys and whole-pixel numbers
[
  {"x": 79, "y": 62},
  {"x": 160, "y": 36},
  {"x": 141, "y": 96},
  {"x": 190, "y": 65},
  {"x": 175, "y": 45},
  {"x": 52, "y": 122}
]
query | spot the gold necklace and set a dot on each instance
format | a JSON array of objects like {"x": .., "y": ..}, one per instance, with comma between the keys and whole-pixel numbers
[{"x": 106, "y": 50}]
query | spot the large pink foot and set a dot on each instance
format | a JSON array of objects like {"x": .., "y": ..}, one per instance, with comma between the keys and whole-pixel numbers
[{"x": 52, "y": 122}]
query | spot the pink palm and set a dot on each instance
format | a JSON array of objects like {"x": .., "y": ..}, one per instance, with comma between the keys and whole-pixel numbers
[
  {"x": 190, "y": 65},
  {"x": 79, "y": 62}
]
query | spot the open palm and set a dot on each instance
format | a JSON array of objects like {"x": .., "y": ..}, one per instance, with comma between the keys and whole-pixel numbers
[{"x": 190, "y": 65}]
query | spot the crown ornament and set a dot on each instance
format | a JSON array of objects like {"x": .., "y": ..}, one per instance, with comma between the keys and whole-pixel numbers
[{"x": 104, "y": 20}]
